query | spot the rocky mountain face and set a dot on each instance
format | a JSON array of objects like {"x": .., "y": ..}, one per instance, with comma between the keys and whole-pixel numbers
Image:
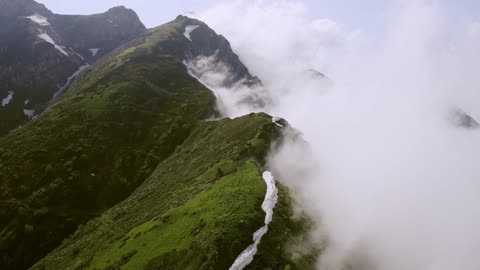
[
  {"x": 96, "y": 35},
  {"x": 122, "y": 171},
  {"x": 205, "y": 42},
  {"x": 42, "y": 52},
  {"x": 461, "y": 119}
]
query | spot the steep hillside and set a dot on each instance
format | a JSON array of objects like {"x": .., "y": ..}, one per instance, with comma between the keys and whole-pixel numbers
[
  {"x": 198, "y": 209},
  {"x": 42, "y": 52}
]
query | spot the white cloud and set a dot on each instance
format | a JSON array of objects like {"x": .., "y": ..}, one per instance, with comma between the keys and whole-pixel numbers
[
  {"x": 276, "y": 33},
  {"x": 327, "y": 31},
  {"x": 473, "y": 28}
]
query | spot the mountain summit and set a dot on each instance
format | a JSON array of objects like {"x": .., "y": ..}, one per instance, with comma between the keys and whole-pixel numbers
[{"x": 10, "y": 10}]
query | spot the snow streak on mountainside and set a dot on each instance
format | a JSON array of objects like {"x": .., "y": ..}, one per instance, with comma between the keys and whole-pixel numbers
[
  {"x": 44, "y": 36},
  {"x": 94, "y": 51},
  {"x": 42, "y": 21},
  {"x": 189, "y": 29},
  {"x": 61, "y": 89},
  {"x": 7, "y": 100},
  {"x": 268, "y": 205}
]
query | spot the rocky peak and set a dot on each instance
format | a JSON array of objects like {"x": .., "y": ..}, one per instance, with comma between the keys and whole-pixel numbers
[
  {"x": 95, "y": 35},
  {"x": 15, "y": 8},
  {"x": 121, "y": 14},
  {"x": 120, "y": 10},
  {"x": 461, "y": 119},
  {"x": 203, "y": 41}
]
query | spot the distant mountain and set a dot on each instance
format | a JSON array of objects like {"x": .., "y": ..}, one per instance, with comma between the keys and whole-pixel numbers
[
  {"x": 461, "y": 119},
  {"x": 41, "y": 53},
  {"x": 122, "y": 171}
]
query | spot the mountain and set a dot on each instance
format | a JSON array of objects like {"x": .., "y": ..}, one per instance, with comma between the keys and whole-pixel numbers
[
  {"x": 42, "y": 52},
  {"x": 461, "y": 119},
  {"x": 122, "y": 171}
]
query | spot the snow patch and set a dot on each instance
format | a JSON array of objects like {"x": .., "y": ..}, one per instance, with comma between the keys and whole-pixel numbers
[
  {"x": 79, "y": 55},
  {"x": 29, "y": 113},
  {"x": 62, "y": 89},
  {"x": 7, "y": 100},
  {"x": 275, "y": 121},
  {"x": 39, "y": 19},
  {"x": 271, "y": 197},
  {"x": 44, "y": 36},
  {"x": 94, "y": 51},
  {"x": 189, "y": 29}
]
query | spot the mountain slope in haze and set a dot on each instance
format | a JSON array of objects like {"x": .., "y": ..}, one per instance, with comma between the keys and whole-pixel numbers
[
  {"x": 461, "y": 119},
  {"x": 41, "y": 52},
  {"x": 134, "y": 121}
]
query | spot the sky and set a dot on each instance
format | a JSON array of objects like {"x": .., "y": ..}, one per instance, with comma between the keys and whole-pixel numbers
[
  {"x": 154, "y": 12},
  {"x": 369, "y": 16}
]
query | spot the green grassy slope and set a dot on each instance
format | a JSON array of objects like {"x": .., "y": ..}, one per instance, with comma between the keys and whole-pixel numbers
[{"x": 198, "y": 209}]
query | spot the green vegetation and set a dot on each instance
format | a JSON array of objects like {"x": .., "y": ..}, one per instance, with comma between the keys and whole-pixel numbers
[
  {"x": 198, "y": 210},
  {"x": 208, "y": 222}
]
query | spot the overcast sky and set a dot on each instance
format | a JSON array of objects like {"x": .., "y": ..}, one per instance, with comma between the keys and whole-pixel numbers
[
  {"x": 154, "y": 12},
  {"x": 367, "y": 15}
]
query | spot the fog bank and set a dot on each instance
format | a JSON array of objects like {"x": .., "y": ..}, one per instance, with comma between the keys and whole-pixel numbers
[{"x": 393, "y": 181}]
